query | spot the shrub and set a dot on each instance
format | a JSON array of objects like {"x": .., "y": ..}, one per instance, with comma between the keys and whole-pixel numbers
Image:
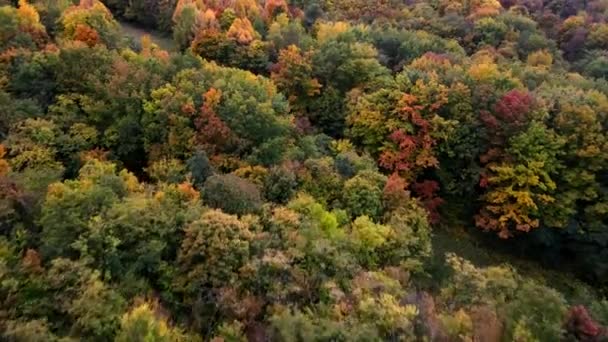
[
  {"x": 232, "y": 194},
  {"x": 280, "y": 185}
]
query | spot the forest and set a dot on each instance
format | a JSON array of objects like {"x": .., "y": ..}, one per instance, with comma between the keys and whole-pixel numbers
[{"x": 304, "y": 170}]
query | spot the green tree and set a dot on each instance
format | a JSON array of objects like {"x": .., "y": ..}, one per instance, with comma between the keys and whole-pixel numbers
[
  {"x": 199, "y": 167},
  {"x": 96, "y": 311},
  {"x": 538, "y": 310},
  {"x": 490, "y": 31},
  {"x": 409, "y": 244},
  {"x": 368, "y": 238},
  {"x": 68, "y": 206},
  {"x": 184, "y": 28},
  {"x": 214, "y": 249},
  {"x": 362, "y": 194},
  {"x": 248, "y": 105},
  {"x": 138, "y": 235},
  {"x": 280, "y": 184}
]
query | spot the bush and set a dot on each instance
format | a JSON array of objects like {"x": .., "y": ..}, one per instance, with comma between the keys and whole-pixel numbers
[
  {"x": 200, "y": 168},
  {"x": 280, "y": 185},
  {"x": 537, "y": 310},
  {"x": 410, "y": 242},
  {"x": 167, "y": 170},
  {"x": 214, "y": 248},
  {"x": 232, "y": 195},
  {"x": 321, "y": 180},
  {"x": 350, "y": 163}
]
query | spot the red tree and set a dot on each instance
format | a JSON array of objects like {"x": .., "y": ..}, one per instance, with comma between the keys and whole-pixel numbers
[
  {"x": 412, "y": 152},
  {"x": 426, "y": 191},
  {"x": 212, "y": 133},
  {"x": 580, "y": 324}
]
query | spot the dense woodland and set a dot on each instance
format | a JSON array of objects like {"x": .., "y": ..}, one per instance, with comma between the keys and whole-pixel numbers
[{"x": 282, "y": 173}]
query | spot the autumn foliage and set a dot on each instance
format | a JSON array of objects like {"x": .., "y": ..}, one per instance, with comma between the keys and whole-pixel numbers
[
  {"x": 86, "y": 34},
  {"x": 273, "y": 170},
  {"x": 212, "y": 132}
]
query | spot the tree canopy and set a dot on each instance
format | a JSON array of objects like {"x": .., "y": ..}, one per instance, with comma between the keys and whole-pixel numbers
[{"x": 304, "y": 170}]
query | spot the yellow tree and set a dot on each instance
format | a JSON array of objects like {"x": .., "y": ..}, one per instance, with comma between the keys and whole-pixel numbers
[
  {"x": 514, "y": 200},
  {"x": 520, "y": 187},
  {"x": 28, "y": 16},
  {"x": 246, "y": 8},
  {"x": 242, "y": 31},
  {"x": 89, "y": 20},
  {"x": 4, "y": 167},
  {"x": 145, "y": 323},
  {"x": 293, "y": 75}
]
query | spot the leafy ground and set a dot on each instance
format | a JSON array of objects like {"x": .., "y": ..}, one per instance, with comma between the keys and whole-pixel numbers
[
  {"x": 135, "y": 33},
  {"x": 456, "y": 240}
]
